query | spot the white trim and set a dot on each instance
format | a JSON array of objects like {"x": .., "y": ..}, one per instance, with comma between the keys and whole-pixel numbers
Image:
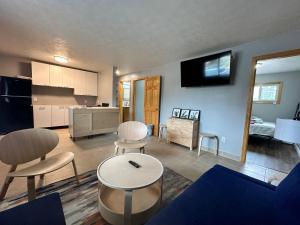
[{"x": 221, "y": 153}]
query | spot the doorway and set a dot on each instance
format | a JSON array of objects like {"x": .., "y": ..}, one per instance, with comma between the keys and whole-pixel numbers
[
  {"x": 143, "y": 103},
  {"x": 274, "y": 93}
]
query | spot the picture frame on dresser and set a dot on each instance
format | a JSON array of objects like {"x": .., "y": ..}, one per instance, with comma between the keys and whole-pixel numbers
[
  {"x": 194, "y": 115},
  {"x": 184, "y": 114},
  {"x": 176, "y": 112}
]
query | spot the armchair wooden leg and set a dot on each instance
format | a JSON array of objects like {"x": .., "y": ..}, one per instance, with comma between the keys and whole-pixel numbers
[
  {"x": 75, "y": 171},
  {"x": 116, "y": 150},
  {"x": 7, "y": 182},
  {"x": 31, "y": 188},
  {"x": 43, "y": 175}
]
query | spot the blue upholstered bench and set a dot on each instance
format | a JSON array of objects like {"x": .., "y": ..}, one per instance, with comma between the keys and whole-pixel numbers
[
  {"x": 43, "y": 211},
  {"x": 223, "y": 196}
]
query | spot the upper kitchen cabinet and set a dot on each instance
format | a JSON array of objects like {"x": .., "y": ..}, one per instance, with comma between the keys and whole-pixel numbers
[
  {"x": 91, "y": 84},
  {"x": 56, "y": 77},
  {"x": 40, "y": 74},
  {"x": 68, "y": 77},
  {"x": 83, "y": 82},
  {"x": 80, "y": 83}
]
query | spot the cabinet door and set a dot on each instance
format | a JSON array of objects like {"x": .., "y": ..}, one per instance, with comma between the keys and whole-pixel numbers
[
  {"x": 42, "y": 115},
  {"x": 68, "y": 77},
  {"x": 80, "y": 83},
  {"x": 82, "y": 123},
  {"x": 66, "y": 115},
  {"x": 56, "y": 76},
  {"x": 58, "y": 115},
  {"x": 91, "y": 84},
  {"x": 40, "y": 73}
]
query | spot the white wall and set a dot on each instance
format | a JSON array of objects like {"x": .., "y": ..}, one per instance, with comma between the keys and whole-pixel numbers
[
  {"x": 223, "y": 108},
  {"x": 105, "y": 87},
  {"x": 289, "y": 99}
]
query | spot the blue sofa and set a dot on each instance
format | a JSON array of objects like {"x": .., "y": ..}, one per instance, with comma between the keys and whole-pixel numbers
[
  {"x": 43, "y": 211},
  {"x": 223, "y": 196}
]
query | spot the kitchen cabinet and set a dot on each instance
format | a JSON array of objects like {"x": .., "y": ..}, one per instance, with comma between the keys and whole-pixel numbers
[
  {"x": 85, "y": 121},
  {"x": 66, "y": 116},
  {"x": 83, "y": 82},
  {"x": 80, "y": 83},
  {"x": 56, "y": 76},
  {"x": 57, "y": 115},
  {"x": 68, "y": 77},
  {"x": 40, "y": 74},
  {"x": 91, "y": 84},
  {"x": 50, "y": 115},
  {"x": 42, "y": 116}
]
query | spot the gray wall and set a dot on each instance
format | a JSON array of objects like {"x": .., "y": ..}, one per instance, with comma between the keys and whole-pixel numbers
[
  {"x": 14, "y": 66},
  {"x": 223, "y": 108},
  {"x": 289, "y": 99}
]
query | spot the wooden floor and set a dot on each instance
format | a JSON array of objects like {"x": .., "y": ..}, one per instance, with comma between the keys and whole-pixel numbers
[
  {"x": 272, "y": 154},
  {"x": 90, "y": 152}
]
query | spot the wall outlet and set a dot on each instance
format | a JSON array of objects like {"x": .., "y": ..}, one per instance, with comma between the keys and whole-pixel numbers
[
  {"x": 223, "y": 139},
  {"x": 35, "y": 99}
]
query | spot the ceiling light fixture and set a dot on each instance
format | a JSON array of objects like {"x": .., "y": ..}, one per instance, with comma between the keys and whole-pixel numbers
[
  {"x": 118, "y": 72},
  {"x": 60, "y": 59}
]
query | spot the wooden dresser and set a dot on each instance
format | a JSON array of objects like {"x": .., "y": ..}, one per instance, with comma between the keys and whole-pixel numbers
[{"x": 184, "y": 132}]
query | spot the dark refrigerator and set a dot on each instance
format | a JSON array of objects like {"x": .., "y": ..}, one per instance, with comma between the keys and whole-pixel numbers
[{"x": 16, "y": 111}]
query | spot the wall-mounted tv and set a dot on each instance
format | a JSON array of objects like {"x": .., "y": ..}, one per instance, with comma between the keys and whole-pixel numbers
[{"x": 209, "y": 70}]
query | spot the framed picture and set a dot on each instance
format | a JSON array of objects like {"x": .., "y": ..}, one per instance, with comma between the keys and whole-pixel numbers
[
  {"x": 176, "y": 112},
  {"x": 194, "y": 115},
  {"x": 184, "y": 114}
]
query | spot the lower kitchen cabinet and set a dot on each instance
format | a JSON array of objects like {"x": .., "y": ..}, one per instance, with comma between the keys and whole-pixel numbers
[
  {"x": 42, "y": 116},
  {"x": 50, "y": 115}
]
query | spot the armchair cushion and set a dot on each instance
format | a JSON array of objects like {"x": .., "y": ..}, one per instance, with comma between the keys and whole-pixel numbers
[
  {"x": 46, "y": 210},
  {"x": 221, "y": 196}
]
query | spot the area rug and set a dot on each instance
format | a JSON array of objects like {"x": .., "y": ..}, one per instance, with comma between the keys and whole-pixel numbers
[{"x": 80, "y": 202}]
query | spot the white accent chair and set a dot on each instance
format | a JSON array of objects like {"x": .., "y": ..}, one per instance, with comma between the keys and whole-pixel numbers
[
  {"x": 23, "y": 146},
  {"x": 131, "y": 136}
]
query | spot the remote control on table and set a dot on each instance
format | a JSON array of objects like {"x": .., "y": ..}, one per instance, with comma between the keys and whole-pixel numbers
[{"x": 134, "y": 164}]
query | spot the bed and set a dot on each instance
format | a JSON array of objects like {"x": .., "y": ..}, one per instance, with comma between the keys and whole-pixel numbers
[{"x": 260, "y": 127}]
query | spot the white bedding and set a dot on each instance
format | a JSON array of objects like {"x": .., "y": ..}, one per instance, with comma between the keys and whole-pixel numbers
[{"x": 264, "y": 128}]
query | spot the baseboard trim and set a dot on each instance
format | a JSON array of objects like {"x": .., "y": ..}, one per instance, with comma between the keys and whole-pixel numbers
[{"x": 222, "y": 153}]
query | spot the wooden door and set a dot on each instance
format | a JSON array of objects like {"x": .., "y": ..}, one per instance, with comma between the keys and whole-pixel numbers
[
  {"x": 120, "y": 100},
  {"x": 152, "y": 102}
]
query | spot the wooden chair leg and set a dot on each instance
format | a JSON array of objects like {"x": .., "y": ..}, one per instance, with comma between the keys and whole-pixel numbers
[
  {"x": 31, "y": 188},
  {"x": 75, "y": 171},
  {"x": 43, "y": 175},
  {"x": 7, "y": 182},
  {"x": 116, "y": 150}
]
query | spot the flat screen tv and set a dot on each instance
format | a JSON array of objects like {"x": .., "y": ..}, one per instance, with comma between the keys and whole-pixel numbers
[{"x": 207, "y": 71}]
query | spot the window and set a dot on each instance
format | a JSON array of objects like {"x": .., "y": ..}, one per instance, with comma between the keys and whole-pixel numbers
[
  {"x": 267, "y": 93},
  {"x": 126, "y": 94}
]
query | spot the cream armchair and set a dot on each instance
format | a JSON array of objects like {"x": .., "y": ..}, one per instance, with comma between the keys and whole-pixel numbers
[
  {"x": 26, "y": 145},
  {"x": 131, "y": 136}
]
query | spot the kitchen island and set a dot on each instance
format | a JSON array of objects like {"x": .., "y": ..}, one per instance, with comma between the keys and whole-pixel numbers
[{"x": 87, "y": 121}]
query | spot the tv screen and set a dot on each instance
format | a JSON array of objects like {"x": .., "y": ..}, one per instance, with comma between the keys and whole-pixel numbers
[{"x": 208, "y": 70}]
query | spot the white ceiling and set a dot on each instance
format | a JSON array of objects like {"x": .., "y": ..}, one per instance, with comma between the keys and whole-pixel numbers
[
  {"x": 279, "y": 65},
  {"x": 136, "y": 34}
]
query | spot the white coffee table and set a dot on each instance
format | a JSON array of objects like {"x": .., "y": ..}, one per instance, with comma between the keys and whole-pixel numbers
[{"x": 129, "y": 195}]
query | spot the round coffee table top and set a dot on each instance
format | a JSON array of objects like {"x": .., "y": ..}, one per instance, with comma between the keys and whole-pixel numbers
[{"x": 117, "y": 172}]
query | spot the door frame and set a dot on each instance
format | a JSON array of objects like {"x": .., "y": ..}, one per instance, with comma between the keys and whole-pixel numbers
[{"x": 275, "y": 55}]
